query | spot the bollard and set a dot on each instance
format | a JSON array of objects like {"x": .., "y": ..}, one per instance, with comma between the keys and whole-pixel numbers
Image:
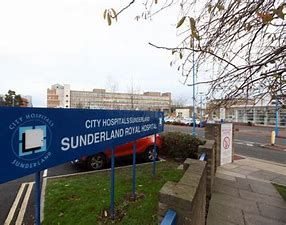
[{"x": 272, "y": 137}]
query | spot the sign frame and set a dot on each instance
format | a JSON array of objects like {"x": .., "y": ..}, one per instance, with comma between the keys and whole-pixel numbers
[
  {"x": 226, "y": 146},
  {"x": 63, "y": 135}
]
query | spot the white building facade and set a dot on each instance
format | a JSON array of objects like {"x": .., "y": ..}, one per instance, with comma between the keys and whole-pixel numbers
[{"x": 61, "y": 96}]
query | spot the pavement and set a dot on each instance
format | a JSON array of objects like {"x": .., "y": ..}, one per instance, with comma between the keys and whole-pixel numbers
[{"x": 243, "y": 194}]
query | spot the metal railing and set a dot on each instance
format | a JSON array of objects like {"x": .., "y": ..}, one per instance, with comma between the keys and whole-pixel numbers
[
  {"x": 170, "y": 218},
  {"x": 203, "y": 157}
]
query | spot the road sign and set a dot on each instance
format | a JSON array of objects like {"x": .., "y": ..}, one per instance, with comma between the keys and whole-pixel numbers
[
  {"x": 226, "y": 143},
  {"x": 33, "y": 139}
]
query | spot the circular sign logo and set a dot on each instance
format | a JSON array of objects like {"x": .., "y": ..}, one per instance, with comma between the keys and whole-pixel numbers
[{"x": 31, "y": 140}]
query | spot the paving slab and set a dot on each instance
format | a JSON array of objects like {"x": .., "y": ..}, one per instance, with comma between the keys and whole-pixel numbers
[
  {"x": 245, "y": 189},
  {"x": 263, "y": 165},
  {"x": 230, "y": 173},
  {"x": 220, "y": 212},
  {"x": 224, "y": 189},
  {"x": 226, "y": 177},
  {"x": 249, "y": 168},
  {"x": 230, "y": 166},
  {"x": 264, "y": 175},
  {"x": 272, "y": 212},
  {"x": 242, "y": 171},
  {"x": 238, "y": 182},
  {"x": 280, "y": 180},
  {"x": 216, "y": 221},
  {"x": 252, "y": 219},
  {"x": 242, "y": 184},
  {"x": 266, "y": 199},
  {"x": 239, "y": 203},
  {"x": 263, "y": 188}
]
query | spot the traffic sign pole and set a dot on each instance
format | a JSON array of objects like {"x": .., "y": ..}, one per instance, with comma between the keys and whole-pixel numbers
[
  {"x": 134, "y": 172},
  {"x": 38, "y": 198},
  {"x": 154, "y": 155},
  {"x": 112, "y": 184},
  {"x": 276, "y": 119}
]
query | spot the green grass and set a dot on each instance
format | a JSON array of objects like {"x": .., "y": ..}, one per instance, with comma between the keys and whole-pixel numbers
[
  {"x": 81, "y": 200},
  {"x": 281, "y": 189}
]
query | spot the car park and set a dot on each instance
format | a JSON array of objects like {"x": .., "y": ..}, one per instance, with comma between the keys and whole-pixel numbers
[{"x": 144, "y": 149}]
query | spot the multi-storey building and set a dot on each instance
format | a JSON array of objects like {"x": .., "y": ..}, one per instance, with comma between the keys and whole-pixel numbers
[
  {"x": 26, "y": 101},
  {"x": 62, "y": 97},
  {"x": 58, "y": 96}
]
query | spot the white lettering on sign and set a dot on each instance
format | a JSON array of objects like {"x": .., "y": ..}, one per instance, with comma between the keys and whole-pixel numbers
[
  {"x": 226, "y": 143},
  {"x": 96, "y": 123},
  {"x": 78, "y": 141},
  {"x": 15, "y": 123},
  {"x": 92, "y": 123},
  {"x": 89, "y": 139}
]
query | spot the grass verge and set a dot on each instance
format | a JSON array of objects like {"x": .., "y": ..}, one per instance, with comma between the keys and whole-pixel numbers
[
  {"x": 85, "y": 199},
  {"x": 281, "y": 189}
]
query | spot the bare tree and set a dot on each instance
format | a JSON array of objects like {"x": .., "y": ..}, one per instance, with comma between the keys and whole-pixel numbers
[
  {"x": 133, "y": 89},
  {"x": 244, "y": 42},
  {"x": 179, "y": 101},
  {"x": 112, "y": 86}
]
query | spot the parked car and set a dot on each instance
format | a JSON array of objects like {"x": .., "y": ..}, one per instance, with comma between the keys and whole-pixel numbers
[
  {"x": 187, "y": 121},
  {"x": 144, "y": 148},
  {"x": 169, "y": 119}
]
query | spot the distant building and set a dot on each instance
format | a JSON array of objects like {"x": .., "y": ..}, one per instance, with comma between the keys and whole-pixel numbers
[
  {"x": 246, "y": 111},
  {"x": 26, "y": 101},
  {"x": 58, "y": 96},
  {"x": 61, "y": 96},
  {"x": 187, "y": 112}
]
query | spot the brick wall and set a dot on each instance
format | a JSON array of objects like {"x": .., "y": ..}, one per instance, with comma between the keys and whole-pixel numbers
[
  {"x": 210, "y": 149},
  {"x": 188, "y": 196}
]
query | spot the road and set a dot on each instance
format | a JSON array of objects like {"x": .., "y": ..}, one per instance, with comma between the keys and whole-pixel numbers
[{"x": 246, "y": 142}]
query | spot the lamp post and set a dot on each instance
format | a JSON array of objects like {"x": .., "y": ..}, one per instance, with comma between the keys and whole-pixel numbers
[
  {"x": 13, "y": 100},
  {"x": 194, "y": 98},
  {"x": 276, "y": 117},
  {"x": 201, "y": 105}
]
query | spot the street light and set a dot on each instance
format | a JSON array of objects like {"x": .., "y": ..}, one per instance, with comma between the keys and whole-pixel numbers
[
  {"x": 194, "y": 98},
  {"x": 201, "y": 105},
  {"x": 13, "y": 100}
]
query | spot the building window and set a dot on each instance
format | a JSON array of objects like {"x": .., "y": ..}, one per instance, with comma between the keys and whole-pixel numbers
[
  {"x": 67, "y": 95},
  {"x": 67, "y": 100},
  {"x": 67, "y": 106}
]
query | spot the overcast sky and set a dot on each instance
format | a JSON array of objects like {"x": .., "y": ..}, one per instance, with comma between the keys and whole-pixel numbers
[{"x": 68, "y": 41}]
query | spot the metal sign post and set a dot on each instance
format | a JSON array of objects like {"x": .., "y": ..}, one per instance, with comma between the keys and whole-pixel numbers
[
  {"x": 134, "y": 172},
  {"x": 38, "y": 198},
  {"x": 112, "y": 212},
  {"x": 154, "y": 155},
  {"x": 276, "y": 118}
]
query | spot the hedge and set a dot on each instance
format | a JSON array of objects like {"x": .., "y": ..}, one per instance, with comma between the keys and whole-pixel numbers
[{"x": 179, "y": 145}]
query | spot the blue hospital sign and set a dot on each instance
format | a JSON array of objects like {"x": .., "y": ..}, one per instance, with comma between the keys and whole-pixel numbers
[{"x": 33, "y": 139}]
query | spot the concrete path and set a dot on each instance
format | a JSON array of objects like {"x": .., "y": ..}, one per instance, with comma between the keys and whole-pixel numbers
[{"x": 243, "y": 194}]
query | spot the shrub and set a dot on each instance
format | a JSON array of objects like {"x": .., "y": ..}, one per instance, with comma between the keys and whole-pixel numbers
[{"x": 179, "y": 145}]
